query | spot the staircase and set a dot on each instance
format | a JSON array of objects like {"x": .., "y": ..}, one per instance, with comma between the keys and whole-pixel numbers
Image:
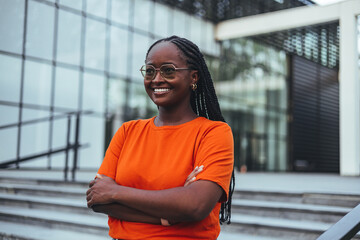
[{"x": 49, "y": 208}]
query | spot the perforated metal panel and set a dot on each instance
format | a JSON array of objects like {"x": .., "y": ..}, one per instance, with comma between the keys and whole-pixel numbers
[{"x": 315, "y": 114}]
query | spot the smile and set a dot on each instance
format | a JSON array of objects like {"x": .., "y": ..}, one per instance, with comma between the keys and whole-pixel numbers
[{"x": 161, "y": 90}]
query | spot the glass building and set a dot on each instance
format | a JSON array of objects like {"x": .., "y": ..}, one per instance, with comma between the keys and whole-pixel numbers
[{"x": 69, "y": 76}]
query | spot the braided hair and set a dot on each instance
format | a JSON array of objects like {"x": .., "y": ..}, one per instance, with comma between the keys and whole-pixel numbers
[{"x": 203, "y": 100}]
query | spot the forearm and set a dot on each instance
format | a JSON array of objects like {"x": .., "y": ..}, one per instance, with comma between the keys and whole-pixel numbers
[
  {"x": 125, "y": 213},
  {"x": 179, "y": 204}
]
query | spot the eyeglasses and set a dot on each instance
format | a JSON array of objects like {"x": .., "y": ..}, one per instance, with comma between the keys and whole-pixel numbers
[{"x": 167, "y": 71}]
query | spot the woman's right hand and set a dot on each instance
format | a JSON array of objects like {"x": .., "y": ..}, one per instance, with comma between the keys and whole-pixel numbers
[{"x": 192, "y": 176}]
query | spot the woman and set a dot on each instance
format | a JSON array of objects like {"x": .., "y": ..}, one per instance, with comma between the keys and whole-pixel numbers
[{"x": 168, "y": 177}]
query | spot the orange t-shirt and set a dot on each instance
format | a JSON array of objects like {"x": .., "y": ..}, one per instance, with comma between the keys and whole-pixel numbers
[{"x": 144, "y": 156}]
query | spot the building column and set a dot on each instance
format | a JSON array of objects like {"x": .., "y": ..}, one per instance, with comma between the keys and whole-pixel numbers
[{"x": 349, "y": 93}]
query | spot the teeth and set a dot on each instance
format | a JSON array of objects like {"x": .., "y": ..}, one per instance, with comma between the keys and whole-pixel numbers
[{"x": 161, "y": 89}]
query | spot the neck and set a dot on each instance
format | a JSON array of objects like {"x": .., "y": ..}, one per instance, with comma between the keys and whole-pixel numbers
[{"x": 175, "y": 116}]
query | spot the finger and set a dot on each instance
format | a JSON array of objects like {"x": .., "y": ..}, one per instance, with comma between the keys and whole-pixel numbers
[
  {"x": 99, "y": 176},
  {"x": 192, "y": 174},
  {"x": 190, "y": 181},
  {"x": 91, "y": 183}
]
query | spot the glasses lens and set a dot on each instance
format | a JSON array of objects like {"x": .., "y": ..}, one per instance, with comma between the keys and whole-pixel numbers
[
  {"x": 168, "y": 71},
  {"x": 148, "y": 71}
]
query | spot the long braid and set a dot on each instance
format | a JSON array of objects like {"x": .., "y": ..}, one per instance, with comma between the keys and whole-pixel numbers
[{"x": 204, "y": 101}]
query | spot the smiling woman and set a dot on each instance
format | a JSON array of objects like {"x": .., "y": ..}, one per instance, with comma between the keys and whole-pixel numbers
[{"x": 169, "y": 177}]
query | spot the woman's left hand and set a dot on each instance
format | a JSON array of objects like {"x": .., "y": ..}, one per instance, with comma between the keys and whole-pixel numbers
[{"x": 100, "y": 190}]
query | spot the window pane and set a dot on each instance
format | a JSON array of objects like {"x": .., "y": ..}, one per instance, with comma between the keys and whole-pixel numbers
[
  {"x": 9, "y": 115},
  {"x": 120, "y": 10},
  {"x": 11, "y": 27},
  {"x": 161, "y": 20},
  {"x": 94, "y": 92},
  {"x": 32, "y": 114},
  {"x": 60, "y": 128},
  {"x": 139, "y": 103},
  {"x": 196, "y": 31},
  {"x": 37, "y": 83},
  {"x": 142, "y": 18},
  {"x": 140, "y": 47},
  {"x": 34, "y": 138},
  {"x": 116, "y": 91},
  {"x": 119, "y": 51},
  {"x": 179, "y": 27},
  {"x": 95, "y": 44},
  {"x": 40, "y": 30},
  {"x": 69, "y": 38},
  {"x": 66, "y": 88},
  {"x": 10, "y": 69},
  {"x": 77, "y": 4},
  {"x": 8, "y": 143},
  {"x": 92, "y": 133},
  {"x": 96, "y": 7}
]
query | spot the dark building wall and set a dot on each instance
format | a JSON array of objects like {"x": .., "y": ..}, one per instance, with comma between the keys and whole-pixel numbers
[{"x": 315, "y": 114}]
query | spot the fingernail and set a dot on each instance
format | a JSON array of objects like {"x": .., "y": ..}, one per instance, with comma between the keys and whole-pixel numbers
[
  {"x": 196, "y": 167},
  {"x": 193, "y": 179}
]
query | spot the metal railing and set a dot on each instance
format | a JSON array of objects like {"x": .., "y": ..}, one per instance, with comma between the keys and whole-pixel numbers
[
  {"x": 69, "y": 145},
  {"x": 346, "y": 228}
]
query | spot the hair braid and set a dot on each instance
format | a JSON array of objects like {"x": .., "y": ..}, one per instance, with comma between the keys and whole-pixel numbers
[{"x": 204, "y": 101}]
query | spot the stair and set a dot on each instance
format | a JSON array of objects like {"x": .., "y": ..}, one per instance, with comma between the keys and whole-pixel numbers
[
  {"x": 40, "y": 209},
  {"x": 288, "y": 215}
]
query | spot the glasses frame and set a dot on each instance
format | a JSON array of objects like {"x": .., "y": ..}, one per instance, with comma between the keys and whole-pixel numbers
[{"x": 143, "y": 68}]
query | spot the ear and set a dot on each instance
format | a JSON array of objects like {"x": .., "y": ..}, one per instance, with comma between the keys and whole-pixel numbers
[{"x": 194, "y": 76}]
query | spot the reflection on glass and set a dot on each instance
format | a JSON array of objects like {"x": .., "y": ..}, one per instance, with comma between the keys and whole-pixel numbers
[
  {"x": 119, "y": 51},
  {"x": 66, "y": 88},
  {"x": 142, "y": 14},
  {"x": 34, "y": 139},
  {"x": 11, "y": 27},
  {"x": 69, "y": 37},
  {"x": 93, "y": 92},
  {"x": 95, "y": 44},
  {"x": 10, "y": 69},
  {"x": 120, "y": 10},
  {"x": 140, "y": 105},
  {"x": 140, "y": 47},
  {"x": 8, "y": 141},
  {"x": 96, "y": 7},
  {"x": 37, "y": 83},
  {"x": 116, "y": 96},
  {"x": 40, "y": 33},
  {"x": 73, "y": 4},
  {"x": 92, "y": 133},
  {"x": 253, "y": 96},
  {"x": 161, "y": 20},
  {"x": 59, "y": 134}
]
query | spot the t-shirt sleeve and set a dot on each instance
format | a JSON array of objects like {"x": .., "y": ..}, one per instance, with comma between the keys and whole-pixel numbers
[
  {"x": 216, "y": 153},
  {"x": 109, "y": 164}
]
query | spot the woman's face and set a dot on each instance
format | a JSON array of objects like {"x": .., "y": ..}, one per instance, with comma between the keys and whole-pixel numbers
[{"x": 169, "y": 93}]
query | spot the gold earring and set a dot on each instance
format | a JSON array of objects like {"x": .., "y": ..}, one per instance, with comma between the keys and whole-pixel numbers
[{"x": 194, "y": 86}]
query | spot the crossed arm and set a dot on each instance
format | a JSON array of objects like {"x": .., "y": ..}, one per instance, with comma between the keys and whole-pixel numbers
[{"x": 192, "y": 202}]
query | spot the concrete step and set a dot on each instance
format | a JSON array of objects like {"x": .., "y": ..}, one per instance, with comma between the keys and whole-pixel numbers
[
  {"x": 47, "y": 182},
  {"x": 295, "y": 211},
  {"x": 19, "y": 231},
  {"x": 73, "y": 205},
  {"x": 59, "y": 191},
  {"x": 276, "y": 228},
  {"x": 95, "y": 224},
  {"x": 329, "y": 199}
]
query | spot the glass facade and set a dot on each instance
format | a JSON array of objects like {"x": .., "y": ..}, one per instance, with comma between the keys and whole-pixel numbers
[{"x": 62, "y": 57}]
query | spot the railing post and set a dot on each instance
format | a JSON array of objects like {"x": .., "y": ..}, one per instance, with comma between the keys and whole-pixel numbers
[
  {"x": 68, "y": 146},
  {"x": 76, "y": 145}
]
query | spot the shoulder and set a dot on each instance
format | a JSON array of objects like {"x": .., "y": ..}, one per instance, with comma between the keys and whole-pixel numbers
[
  {"x": 134, "y": 125},
  {"x": 209, "y": 125}
]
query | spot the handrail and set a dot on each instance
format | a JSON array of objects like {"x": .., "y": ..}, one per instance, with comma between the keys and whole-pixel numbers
[
  {"x": 75, "y": 146},
  {"x": 345, "y": 228}
]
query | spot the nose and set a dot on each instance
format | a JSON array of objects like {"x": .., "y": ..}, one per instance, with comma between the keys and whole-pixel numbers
[{"x": 158, "y": 77}]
